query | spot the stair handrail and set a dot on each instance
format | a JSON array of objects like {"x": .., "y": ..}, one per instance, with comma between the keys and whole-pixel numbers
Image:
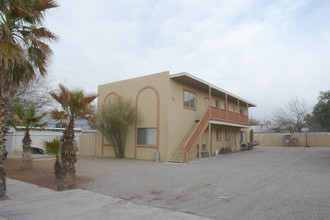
[{"x": 192, "y": 140}]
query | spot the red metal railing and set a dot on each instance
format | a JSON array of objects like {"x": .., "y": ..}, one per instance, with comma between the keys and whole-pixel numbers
[
  {"x": 220, "y": 114},
  {"x": 198, "y": 131},
  {"x": 211, "y": 113}
]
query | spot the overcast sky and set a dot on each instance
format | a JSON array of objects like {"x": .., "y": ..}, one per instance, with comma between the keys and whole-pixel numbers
[{"x": 261, "y": 50}]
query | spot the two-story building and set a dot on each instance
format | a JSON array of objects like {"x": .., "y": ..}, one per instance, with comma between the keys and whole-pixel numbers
[{"x": 180, "y": 117}]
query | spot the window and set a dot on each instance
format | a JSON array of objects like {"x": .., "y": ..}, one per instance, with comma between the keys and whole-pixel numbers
[
  {"x": 243, "y": 136},
  {"x": 217, "y": 103},
  {"x": 189, "y": 99},
  {"x": 227, "y": 134},
  {"x": 147, "y": 136},
  {"x": 241, "y": 111},
  {"x": 218, "y": 135}
]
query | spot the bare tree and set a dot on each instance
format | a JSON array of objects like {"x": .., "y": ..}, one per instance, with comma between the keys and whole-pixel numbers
[
  {"x": 292, "y": 116},
  {"x": 253, "y": 121},
  {"x": 36, "y": 94}
]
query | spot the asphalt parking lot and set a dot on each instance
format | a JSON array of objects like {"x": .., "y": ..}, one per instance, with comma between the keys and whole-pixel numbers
[{"x": 265, "y": 183}]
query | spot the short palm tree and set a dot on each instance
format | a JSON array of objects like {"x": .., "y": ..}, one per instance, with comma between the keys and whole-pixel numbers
[
  {"x": 28, "y": 119},
  {"x": 53, "y": 148},
  {"x": 23, "y": 54},
  {"x": 75, "y": 105}
]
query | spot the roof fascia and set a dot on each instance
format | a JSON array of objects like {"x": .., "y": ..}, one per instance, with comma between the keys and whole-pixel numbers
[{"x": 212, "y": 86}]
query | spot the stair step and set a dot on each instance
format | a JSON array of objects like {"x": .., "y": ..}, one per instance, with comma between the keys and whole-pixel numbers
[{"x": 179, "y": 152}]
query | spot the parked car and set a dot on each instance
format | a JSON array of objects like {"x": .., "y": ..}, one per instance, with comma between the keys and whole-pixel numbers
[{"x": 37, "y": 150}]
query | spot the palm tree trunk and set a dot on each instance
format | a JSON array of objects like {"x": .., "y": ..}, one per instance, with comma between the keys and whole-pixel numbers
[
  {"x": 3, "y": 152},
  {"x": 27, "y": 160},
  {"x": 68, "y": 153}
]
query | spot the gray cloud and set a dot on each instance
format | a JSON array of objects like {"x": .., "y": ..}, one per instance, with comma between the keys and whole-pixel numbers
[{"x": 265, "y": 51}]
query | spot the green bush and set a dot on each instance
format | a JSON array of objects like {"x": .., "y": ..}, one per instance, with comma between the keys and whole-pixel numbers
[
  {"x": 225, "y": 150},
  {"x": 250, "y": 146},
  {"x": 251, "y": 136}
]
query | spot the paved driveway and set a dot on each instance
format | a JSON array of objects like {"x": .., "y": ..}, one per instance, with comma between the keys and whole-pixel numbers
[{"x": 265, "y": 183}]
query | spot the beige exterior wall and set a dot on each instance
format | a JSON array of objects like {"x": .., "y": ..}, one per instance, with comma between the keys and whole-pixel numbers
[
  {"x": 314, "y": 139},
  {"x": 144, "y": 93},
  {"x": 181, "y": 119},
  {"x": 160, "y": 100}
]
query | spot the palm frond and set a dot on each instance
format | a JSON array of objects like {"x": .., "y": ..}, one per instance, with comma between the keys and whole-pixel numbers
[
  {"x": 59, "y": 115},
  {"x": 43, "y": 33},
  {"x": 22, "y": 53}
]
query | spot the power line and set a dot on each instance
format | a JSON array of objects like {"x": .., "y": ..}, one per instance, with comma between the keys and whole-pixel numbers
[
  {"x": 77, "y": 74},
  {"x": 78, "y": 67},
  {"x": 82, "y": 83}
]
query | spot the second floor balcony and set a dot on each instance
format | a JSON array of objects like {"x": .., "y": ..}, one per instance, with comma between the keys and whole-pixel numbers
[{"x": 228, "y": 116}]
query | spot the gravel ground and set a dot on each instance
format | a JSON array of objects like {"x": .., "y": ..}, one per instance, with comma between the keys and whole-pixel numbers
[{"x": 265, "y": 183}]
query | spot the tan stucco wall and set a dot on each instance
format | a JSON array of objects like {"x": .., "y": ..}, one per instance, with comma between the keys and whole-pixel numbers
[
  {"x": 147, "y": 108},
  {"x": 180, "y": 119},
  {"x": 314, "y": 140},
  {"x": 175, "y": 121},
  {"x": 234, "y": 141}
]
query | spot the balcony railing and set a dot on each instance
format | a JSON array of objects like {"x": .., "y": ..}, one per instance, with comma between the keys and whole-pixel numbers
[
  {"x": 215, "y": 114},
  {"x": 193, "y": 139},
  {"x": 223, "y": 115}
]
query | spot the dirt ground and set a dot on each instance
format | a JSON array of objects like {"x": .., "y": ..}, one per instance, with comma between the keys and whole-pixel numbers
[{"x": 42, "y": 174}]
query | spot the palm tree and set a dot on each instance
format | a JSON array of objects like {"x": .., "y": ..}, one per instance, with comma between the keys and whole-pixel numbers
[
  {"x": 28, "y": 120},
  {"x": 23, "y": 54},
  {"x": 53, "y": 148},
  {"x": 75, "y": 105}
]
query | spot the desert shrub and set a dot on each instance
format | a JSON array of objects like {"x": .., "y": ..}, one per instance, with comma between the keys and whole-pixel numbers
[
  {"x": 113, "y": 121},
  {"x": 225, "y": 150},
  {"x": 250, "y": 146}
]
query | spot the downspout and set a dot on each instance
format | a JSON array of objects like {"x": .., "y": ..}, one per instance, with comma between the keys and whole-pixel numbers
[
  {"x": 210, "y": 114},
  {"x": 226, "y": 105},
  {"x": 239, "y": 111}
]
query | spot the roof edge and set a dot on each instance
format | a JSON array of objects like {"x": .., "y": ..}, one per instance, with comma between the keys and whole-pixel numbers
[{"x": 212, "y": 86}]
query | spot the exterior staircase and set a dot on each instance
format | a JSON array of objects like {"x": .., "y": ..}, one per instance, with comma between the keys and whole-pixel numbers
[
  {"x": 177, "y": 156},
  {"x": 195, "y": 135}
]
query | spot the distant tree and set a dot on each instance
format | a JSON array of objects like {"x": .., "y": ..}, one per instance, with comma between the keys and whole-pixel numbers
[
  {"x": 113, "y": 120},
  {"x": 28, "y": 119},
  {"x": 292, "y": 116},
  {"x": 321, "y": 111},
  {"x": 92, "y": 125},
  {"x": 253, "y": 122},
  {"x": 251, "y": 137},
  {"x": 61, "y": 124},
  {"x": 35, "y": 93},
  {"x": 75, "y": 105}
]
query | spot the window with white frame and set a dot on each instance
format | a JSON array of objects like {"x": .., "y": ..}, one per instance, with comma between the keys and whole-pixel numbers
[
  {"x": 243, "y": 136},
  {"x": 217, "y": 103},
  {"x": 218, "y": 135},
  {"x": 147, "y": 136},
  {"x": 227, "y": 134},
  {"x": 189, "y": 99}
]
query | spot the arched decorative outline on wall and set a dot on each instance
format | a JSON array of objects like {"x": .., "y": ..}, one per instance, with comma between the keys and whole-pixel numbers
[
  {"x": 158, "y": 109},
  {"x": 109, "y": 94}
]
